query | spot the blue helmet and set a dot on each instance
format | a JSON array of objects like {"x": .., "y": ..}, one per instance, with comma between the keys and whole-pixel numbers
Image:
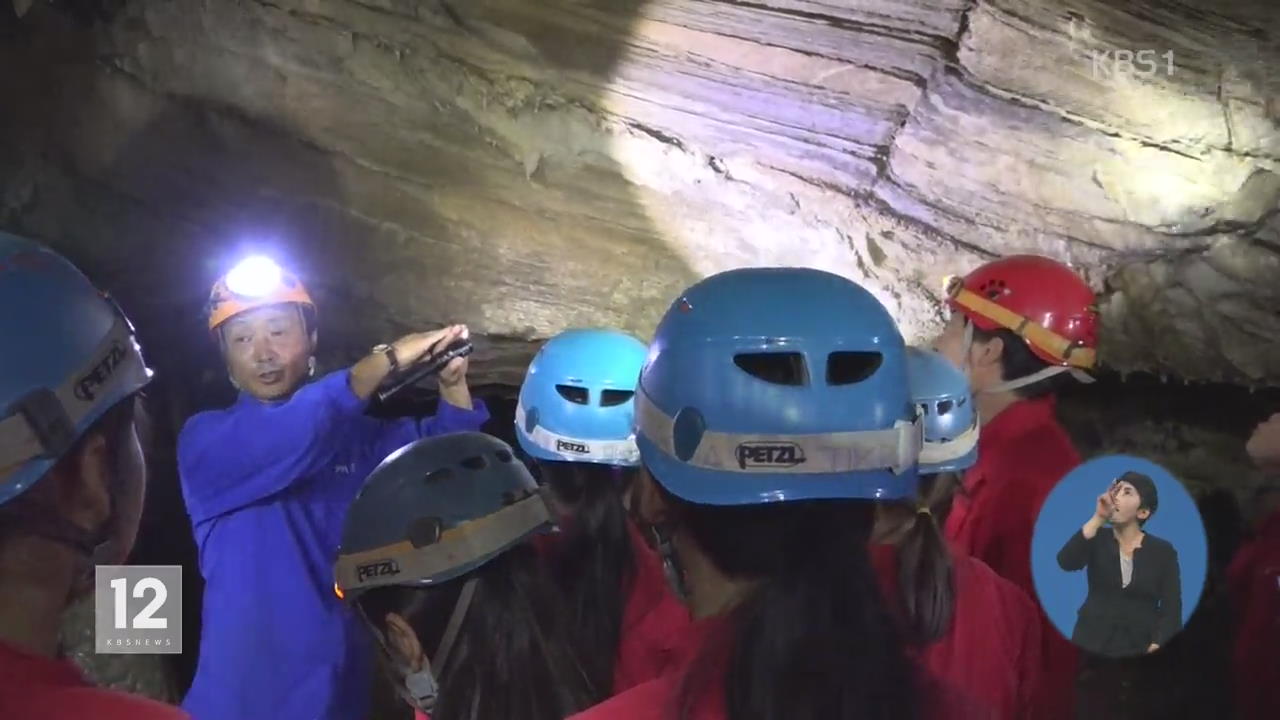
[
  {"x": 437, "y": 509},
  {"x": 941, "y": 392},
  {"x": 70, "y": 355},
  {"x": 774, "y": 384},
  {"x": 578, "y": 399}
]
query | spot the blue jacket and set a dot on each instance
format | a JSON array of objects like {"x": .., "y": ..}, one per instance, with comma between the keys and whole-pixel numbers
[{"x": 267, "y": 487}]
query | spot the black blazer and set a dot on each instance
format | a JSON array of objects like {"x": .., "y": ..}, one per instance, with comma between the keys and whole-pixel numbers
[{"x": 1122, "y": 621}]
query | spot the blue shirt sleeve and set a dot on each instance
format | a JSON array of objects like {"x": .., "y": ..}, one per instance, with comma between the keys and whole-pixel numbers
[
  {"x": 232, "y": 458},
  {"x": 396, "y": 434}
]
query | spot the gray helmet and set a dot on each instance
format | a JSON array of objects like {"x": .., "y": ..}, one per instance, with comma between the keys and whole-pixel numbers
[{"x": 437, "y": 509}]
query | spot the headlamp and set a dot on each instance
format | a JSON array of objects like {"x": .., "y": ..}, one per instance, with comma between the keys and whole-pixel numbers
[{"x": 254, "y": 277}]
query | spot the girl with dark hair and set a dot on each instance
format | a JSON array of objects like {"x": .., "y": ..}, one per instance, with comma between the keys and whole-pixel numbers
[
  {"x": 436, "y": 556},
  {"x": 955, "y": 609},
  {"x": 765, "y": 431},
  {"x": 575, "y": 417},
  {"x": 1134, "y": 605}
]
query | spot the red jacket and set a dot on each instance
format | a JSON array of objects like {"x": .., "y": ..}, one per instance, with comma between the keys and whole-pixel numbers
[
  {"x": 1253, "y": 579},
  {"x": 986, "y": 667},
  {"x": 653, "y": 638},
  {"x": 38, "y": 688},
  {"x": 655, "y": 624},
  {"x": 1022, "y": 454},
  {"x": 659, "y": 698}
]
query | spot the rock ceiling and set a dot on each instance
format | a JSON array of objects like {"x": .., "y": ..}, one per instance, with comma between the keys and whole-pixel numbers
[{"x": 528, "y": 165}]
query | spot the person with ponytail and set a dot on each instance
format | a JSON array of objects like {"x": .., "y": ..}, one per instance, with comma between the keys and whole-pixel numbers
[
  {"x": 575, "y": 417},
  {"x": 765, "y": 432},
  {"x": 976, "y": 634},
  {"x": 437, "y": 560}
]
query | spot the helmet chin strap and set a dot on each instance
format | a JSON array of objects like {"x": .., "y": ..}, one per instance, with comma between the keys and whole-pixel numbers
[
  {"x": 92, "y": 547},
  {"x": 1035, "y": 377},
  {"x": 420, "y": 688}
]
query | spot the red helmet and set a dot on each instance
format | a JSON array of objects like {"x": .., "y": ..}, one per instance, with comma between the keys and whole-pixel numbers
[{"x": 1040, "y": 299}]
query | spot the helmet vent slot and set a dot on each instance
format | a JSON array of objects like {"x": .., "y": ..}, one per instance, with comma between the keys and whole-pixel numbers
[
  {"x": 846, "y": 367},
  {"x": 503, "y": 456},
  {"x": 610, "y": 398},
  {"x": 572, "y": 393},
  {"x": 425, "y": 531},
  {"x": 475, "y": 462},
  {"x": 779, "y": 368},
  {"x": 945, "y": 406}
]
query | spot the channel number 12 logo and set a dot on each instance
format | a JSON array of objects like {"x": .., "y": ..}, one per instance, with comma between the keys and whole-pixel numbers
[{"x": 138, "y": 609}]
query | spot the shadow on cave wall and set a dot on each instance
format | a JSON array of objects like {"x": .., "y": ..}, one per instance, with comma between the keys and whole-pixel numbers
[{"x": 154, "y": 195}]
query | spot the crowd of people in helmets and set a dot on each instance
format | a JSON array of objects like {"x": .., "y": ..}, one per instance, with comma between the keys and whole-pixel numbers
[{"x": 774, "y": 509}]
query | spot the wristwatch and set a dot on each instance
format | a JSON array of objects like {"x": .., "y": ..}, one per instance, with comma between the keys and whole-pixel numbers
[{"x": 390, "y": 352}]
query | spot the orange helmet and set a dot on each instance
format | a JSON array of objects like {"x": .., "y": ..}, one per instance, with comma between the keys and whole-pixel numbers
[{"x": 255, "y": 282}]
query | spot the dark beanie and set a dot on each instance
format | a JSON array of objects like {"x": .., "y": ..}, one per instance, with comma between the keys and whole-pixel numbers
[{"x": 1146, "y": 487}]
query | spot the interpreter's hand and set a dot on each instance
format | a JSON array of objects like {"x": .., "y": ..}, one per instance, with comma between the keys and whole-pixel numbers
[
  {"x": 1106, "y": 504},
  {"x": 1152, "y": 648},
  {"x": 1264, "y": 445}
]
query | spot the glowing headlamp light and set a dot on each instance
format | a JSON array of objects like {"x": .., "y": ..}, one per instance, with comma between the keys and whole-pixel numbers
[{"x": 254, "y": 277}]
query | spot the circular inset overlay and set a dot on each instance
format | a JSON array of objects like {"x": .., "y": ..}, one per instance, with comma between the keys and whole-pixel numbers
[{"x": 1119, "y": 556}]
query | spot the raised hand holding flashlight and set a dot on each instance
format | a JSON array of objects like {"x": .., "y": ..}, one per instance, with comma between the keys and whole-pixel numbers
[{"x": 391, "y": 368}]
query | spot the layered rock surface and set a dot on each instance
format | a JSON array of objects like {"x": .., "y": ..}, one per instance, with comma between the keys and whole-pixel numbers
[{"x": 525, "y": 166}]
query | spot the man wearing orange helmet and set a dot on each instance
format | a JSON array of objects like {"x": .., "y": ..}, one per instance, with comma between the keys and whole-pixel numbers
[
  {"x": 267, "y": 483},
  {"x": 1020, "y": 327}
]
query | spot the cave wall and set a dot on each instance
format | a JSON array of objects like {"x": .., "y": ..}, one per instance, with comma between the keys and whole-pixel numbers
[
  {"x": 525, "y": 166},
  {"x": 529, "y": 165}
]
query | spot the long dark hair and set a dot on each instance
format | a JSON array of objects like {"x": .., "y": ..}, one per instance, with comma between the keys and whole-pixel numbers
[
  {"x": 512, "y": 656},
  {"x": 925, "y": 573},
  {"x": 593, "y": 563},
  {"x": 813, "y": 639}
]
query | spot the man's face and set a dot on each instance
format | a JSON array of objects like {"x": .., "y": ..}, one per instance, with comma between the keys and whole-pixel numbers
[{"x": 267, "y": 350}]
